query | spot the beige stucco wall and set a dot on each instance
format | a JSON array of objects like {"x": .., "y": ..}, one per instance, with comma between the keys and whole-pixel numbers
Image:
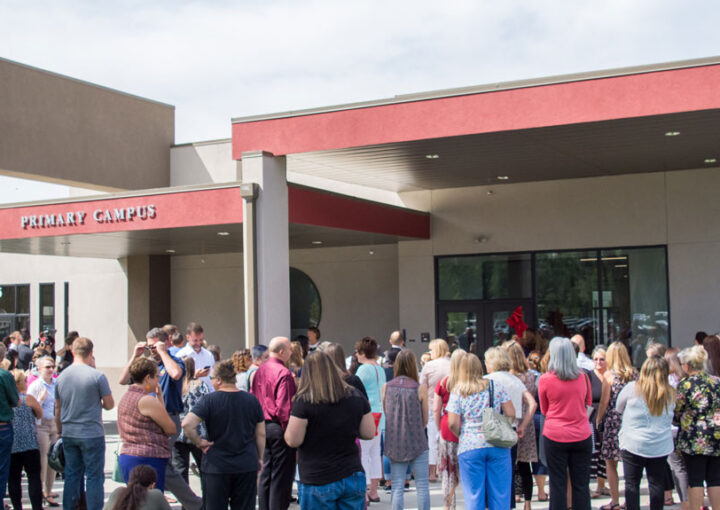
[
  {"x": 63, "y": 130},
  {"x": 202, "y": 163},
  {"x": 358, "y": 290},
  {"x": 674, "y": 208},
  {"x": 98, "y": 298}
]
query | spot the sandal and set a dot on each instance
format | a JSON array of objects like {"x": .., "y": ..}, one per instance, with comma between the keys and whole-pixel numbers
[
  {"x": 50, "y": 501},
  {"x": 611, "y": 506},
  {"x": 669, "y": 501},
  {"x": 546, "y": 498}
]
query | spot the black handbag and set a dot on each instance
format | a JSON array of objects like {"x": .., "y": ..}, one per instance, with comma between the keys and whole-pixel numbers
[{"x": 56, "y": 456}]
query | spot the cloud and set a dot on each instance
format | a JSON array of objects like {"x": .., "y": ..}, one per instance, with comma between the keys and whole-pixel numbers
[{"x": 219, "y": 59}]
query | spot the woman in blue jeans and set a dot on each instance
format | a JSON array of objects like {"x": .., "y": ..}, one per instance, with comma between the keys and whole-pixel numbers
[
  {"x": 484, "y": 469},
  {"x": 406, "y": 413},
  {"x": 326, "y": 418}
]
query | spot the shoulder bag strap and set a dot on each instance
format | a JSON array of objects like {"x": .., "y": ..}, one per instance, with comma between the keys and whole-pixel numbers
[
  {"x": 589, "y": 388},
  {"x": 377, "y": 378},
  {"x": 492, "y": 395}
]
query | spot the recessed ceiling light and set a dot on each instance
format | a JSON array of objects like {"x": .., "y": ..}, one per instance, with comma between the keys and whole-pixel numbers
[
  {"x": 503, "y": 177},
  {"x": 169, "y": 251},
  {"x": 710, "y": 161},
  {"x": 432, "y": 156},
  {"x": 223, "y": 233},
  {"x": 316, "y": 242},
  {"x": 672, "y": 133}
]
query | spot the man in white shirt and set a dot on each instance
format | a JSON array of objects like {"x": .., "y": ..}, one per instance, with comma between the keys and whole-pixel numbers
[
  {"x": 583, "y": 360},
  {"x": 204, "y": 360}
]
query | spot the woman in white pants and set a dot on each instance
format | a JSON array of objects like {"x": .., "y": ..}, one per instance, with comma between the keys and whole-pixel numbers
[
  {"x": 432, "y": 373},
  {"x": 43, "y": 389},
  {"x": 372, "y": 376}
]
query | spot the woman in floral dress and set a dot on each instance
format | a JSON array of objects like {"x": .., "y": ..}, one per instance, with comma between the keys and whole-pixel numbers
[
  {"x": 697, "y": 413},
  {"x": 527, "y": 446},
  {"x": 619, "y": 372}
]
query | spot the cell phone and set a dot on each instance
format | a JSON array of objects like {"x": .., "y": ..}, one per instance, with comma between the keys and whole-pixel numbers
[{"x": 206, "y": 366}]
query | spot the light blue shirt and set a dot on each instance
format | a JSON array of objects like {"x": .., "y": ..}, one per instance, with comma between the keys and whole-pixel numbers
[
  {"x": 641, "y": 433},
  {"x": 373, "y": 378},
  {"x": 48, "y": 405}
]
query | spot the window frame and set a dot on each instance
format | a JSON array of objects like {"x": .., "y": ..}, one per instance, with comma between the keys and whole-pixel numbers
[{"x": 533, "y": 258}]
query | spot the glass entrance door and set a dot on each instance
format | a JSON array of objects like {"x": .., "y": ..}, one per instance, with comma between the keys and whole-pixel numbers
[
  {"x": 476, "y": 327},
  {"x": 497, "y": 330}
]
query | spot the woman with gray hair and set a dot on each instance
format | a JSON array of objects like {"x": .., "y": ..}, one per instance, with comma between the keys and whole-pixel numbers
[{"x": 564, "y": 392}]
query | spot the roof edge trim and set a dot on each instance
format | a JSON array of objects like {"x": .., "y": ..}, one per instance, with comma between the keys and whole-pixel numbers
[
  {"x": 122, "y": 194},
  {"x": 491, "y": 87}
]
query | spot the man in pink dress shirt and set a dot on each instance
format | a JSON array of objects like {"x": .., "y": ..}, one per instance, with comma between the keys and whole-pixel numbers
[{"x": 274, "y": 387}]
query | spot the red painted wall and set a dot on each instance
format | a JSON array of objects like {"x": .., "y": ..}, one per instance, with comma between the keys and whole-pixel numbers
[
  {"x": 310, "y": 207},
  {"x": 629, "y": 96},
  {"x": 172, "y": 210}
]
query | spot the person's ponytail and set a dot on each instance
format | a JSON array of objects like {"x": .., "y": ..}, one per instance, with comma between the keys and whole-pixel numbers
[{"x": 133, "y": 496}]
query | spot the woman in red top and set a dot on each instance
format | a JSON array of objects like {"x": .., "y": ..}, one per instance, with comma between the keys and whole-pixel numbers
[
  {"x": 564, "y": 393},
  {"x": 447, "y": 466}
]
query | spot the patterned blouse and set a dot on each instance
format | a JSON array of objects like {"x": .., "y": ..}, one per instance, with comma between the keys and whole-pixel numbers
[
  {"x": 405, "y": 437},
  {"x": 25, "y": 433},
  {"x": 697, "y": 413},
  {"x": 140, "y": 435},
  {"x": 189, "y": 399},
  {"x": 470, "y": 409}
]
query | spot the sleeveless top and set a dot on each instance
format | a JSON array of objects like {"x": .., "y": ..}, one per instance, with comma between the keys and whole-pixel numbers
[
  {"x": 140, "y": 435},
  {"x": 24, "y": 432},
  {"x": 405, "y": 437}
]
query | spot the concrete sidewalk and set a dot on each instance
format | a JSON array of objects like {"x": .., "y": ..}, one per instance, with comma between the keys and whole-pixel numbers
[{"x": 410, "y": 496}]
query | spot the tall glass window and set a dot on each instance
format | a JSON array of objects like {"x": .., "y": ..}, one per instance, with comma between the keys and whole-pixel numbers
[
  {"x": 47, "y": 306},
  {"x": 484, "y": 277},
  {"x": 14, "y": 308},
  {"x": 604, "y": 294},
  {"x": 635, "y": 299},
  {"x": 566, "y": 295},
  {"x": 305, "y": 304}
]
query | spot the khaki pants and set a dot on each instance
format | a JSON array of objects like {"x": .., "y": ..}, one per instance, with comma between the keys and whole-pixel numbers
[{"x": 46, "y": 435}]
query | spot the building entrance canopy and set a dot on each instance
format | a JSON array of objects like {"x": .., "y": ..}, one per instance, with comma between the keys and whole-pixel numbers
[
  {"x": 644, "y": 119},
  {"x": 194, "y": 220}
]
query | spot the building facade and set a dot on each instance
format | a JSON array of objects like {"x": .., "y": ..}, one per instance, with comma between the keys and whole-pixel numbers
[{"x": 587, "y": 200}]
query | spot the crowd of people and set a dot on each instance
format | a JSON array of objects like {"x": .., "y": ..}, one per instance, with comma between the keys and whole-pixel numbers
[{"x": 345, "y": 428}]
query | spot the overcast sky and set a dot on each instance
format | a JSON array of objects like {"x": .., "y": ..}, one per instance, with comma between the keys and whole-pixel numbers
[{"x": 218, "y": 59}]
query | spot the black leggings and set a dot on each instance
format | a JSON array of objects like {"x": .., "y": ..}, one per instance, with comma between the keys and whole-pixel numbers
[
  {"x": 30, "y": 461},
  {"x": 523, "y": 469}
]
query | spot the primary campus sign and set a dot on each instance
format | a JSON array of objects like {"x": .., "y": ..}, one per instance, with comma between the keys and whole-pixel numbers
[
  {"x": 216, "y": 206},
  {"x": 78, "y": 217}
]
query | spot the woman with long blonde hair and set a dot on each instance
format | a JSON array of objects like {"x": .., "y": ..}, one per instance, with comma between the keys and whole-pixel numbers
[
  {"x": 432, "y": 372},
  {"x": 447, "y": 459},
  {"x": 484, "y": 469},
  {"x": 527, "y": 445},
  {"x": 619, "y": 372},
  {"x": 647, "y": 408}
]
